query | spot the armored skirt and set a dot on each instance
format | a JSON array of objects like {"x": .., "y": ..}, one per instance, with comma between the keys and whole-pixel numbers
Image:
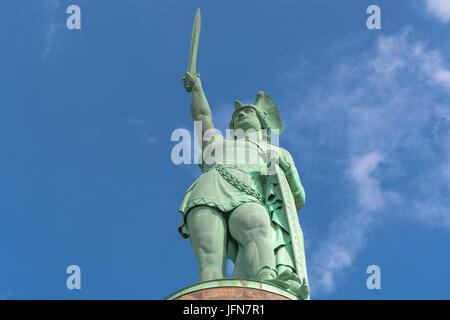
[{"x": 214, "y": 190}]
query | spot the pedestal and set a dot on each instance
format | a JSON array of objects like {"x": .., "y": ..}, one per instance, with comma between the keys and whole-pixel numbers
[{"x": 231, "y": 289}]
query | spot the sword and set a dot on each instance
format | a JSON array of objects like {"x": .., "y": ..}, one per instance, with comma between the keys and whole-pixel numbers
[{"x": 194, "y": 49}]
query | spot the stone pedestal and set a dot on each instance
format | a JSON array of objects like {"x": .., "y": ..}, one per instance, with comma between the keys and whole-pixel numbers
[{"x": 231, "y": 289}]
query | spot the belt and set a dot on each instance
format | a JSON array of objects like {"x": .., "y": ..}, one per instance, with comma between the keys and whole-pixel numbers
[{"x": 235, "y": 182}]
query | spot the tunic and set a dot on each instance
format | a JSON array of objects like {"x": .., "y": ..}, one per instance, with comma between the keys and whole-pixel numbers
[{"x": 248, "y": 162}]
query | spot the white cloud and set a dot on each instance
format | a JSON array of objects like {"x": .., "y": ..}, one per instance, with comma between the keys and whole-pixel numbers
[
  {"x": 6, "y": 295},
  {"x": 433, "y": 213},
  {"x": 338, "y": 252},
  {"x": 443, "y": 76},
  {"x": 136, "y": 122},
  {"x": 440, "y": 8},
  {"x": 50, "y": 27},
  {"x": 48, "y": 39},
  {"x": 348, "y": 233},
  {"x": 369, "y": 192},
  {"x": 381, "y": 114}
]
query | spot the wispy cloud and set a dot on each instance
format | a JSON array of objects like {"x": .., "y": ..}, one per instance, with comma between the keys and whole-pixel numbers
[
  {"x": 349, "y": 232},
  {"x": 136, "y": 122},
  {"x": 50, "y": 26},
  {"x": 6, "y": 295},
  {"x": 139, "y": 130},
  {"x": 440, "y": 8},
  {"x": 369, "y": 194},
  {"x": 143, "y": 127},
  {"x": 383, "y": 116}
]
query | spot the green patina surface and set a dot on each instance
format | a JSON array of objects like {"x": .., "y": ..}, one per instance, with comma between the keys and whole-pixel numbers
[{"x": 243, "y": 208}]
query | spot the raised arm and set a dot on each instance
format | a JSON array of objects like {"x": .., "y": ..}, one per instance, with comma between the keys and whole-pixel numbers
[{"x": 200, "y": 110}]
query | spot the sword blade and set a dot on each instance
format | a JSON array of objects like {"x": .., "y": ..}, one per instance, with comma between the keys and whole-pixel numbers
[{"x": 194, "y": 43}]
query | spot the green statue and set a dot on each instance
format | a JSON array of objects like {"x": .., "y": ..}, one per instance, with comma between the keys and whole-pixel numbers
[{"x": 244, "y": 205}]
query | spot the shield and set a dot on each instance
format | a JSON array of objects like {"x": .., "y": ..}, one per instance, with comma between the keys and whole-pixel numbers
[{"x": 295, "y": 231}]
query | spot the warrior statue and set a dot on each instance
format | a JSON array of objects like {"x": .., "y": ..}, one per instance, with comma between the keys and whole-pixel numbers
[{"x": 244, "y": 205}]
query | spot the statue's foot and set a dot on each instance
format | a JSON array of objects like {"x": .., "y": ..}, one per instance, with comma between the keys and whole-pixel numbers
[
  {"x": 288, "y": 274},
  {"x": 266, "y": 273},
  {"x": 285, "y": 280},
  {"x": 290, "y": 281}
]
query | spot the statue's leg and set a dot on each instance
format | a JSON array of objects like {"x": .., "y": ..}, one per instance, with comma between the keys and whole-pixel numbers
[
  {"x": 208, "y": 232},
  {"x": 250, "y": 225},
  {"x": 239, "y": 270}
]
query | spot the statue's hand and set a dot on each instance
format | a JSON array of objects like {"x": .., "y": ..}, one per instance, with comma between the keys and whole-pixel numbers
[
  {"x": 191, "y": 81},
  {"x": 283, "y": 163},
  {"x": 277, "y": 158}
]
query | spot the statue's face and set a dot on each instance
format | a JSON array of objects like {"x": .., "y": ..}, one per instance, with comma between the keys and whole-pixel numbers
[{"x": 246, "y": 119}]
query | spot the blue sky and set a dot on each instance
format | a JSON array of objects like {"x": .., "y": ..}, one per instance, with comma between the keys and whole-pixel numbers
[{"x": 86, "y": 116}]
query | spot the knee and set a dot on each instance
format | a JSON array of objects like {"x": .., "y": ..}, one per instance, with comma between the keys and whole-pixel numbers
[
  {"x": 206, "y": 241},
  {"x": 209, "y": 256},
  {"x": 256, "y": 232}
]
